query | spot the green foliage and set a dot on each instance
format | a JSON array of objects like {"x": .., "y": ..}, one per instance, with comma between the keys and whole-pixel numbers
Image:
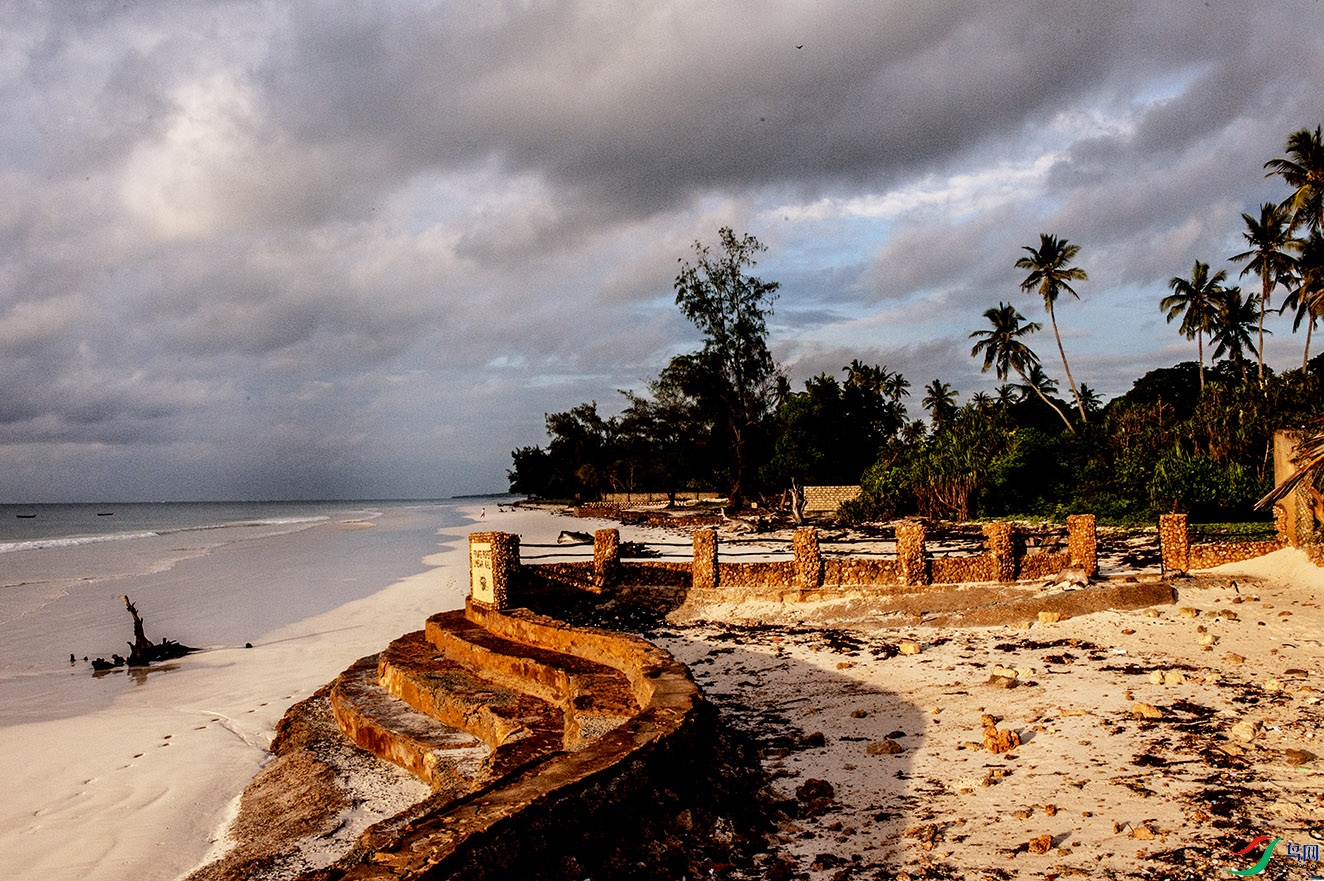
[
  {"x": 1198, "y": 484},
  {"x": 735, "y": 378}
]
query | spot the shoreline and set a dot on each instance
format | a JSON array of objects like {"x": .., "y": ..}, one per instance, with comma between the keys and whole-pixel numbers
[{"x": 143, "y": 781}]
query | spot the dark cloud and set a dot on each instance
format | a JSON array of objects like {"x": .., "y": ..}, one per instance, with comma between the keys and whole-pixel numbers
[{"x": 333, "y": 249}]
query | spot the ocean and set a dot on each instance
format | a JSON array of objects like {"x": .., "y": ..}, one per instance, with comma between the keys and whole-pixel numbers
[
  {"x": 132, "y": 773},
  {"x": 210, "y": 575}
]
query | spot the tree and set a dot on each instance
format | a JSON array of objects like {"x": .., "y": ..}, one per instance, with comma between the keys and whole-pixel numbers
[
  {"x": 1036, "y": 382},
  {"x": 731, "y": 308},
  {"x": 1194, "y": 300},
  {"x": 1303, "y": 170},
  {"x": 940, "y": 401},
  {"x": 1050, "y": 275},
  {"x": 1004, "y": 349},
  {"x": 1090, "y": 399},
  {"x": 1306, "y": 289},
  {"x": 1270, "y": 238},
  {"x": 1235, "y": 319}
]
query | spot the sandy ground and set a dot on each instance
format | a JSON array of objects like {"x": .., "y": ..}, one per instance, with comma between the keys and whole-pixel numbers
[
  {"x": 1153, "y": 743},
  {"x": 908, "y": 788},
  {"x": 143, "y": 787}
]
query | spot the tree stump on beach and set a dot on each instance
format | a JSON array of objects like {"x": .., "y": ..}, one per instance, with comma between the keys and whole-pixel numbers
[{"x": 142, "y": 651}]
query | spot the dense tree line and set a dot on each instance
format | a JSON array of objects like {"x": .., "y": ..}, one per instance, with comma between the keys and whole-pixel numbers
[{"x": 1195, "y": 437}]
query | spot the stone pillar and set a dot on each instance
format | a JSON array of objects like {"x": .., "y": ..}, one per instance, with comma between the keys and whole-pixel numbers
[
  {"x": 606, "y": 557},
  {"x": 808, "y": 558},
  {"x": 493, "y": 566},
  {"x": 1174, "y": 543},
  {"x": 703, "y": 572},
  {"x": 1292, "y": 513},
  {"x": 1083, "y": 542},
  {"x": 1001, "y": 551},
  {"x": 910, "y": 557}
]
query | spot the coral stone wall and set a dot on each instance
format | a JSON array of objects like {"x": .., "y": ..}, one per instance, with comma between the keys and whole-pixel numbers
[
  {"x": 808, "y": 558},
  {"x": 741, "y": 578},
  {"x": 606, "y": 556},
  {"x": 1035, "y": 567},
  {"x": 910, "y": 557},
  {"x": 839, "y": 572},
  {"x": 599, "y": 511},
  {"x": 955, "y": 570},
  {"x": 1207, "y": 556},
  {"x": 813, "y": 576},
  {"x": 1083, "y": 543},
  {"x": 1179, "y": 555},
  {"x": 1175, "y": 543},
  {"x": 705, "y": 572},
  {"x": 1001, "y": 551}
]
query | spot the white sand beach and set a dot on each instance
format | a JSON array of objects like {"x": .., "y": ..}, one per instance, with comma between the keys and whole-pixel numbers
[
  {"x": 140, "y": 786},
  {"x": 1147, "y": 737}
]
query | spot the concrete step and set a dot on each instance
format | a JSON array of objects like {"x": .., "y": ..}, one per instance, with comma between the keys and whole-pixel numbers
[
  {"x": 516, "y": 726},
  {"x": 389, "y": 728},
  {"x": 594, "y": 697}
]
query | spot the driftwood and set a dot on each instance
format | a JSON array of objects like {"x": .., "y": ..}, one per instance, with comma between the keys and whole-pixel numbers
[{"x": 142, "y": 651}]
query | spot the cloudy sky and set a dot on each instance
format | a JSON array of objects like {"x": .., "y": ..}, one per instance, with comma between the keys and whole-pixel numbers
[{"x": 321, "y": 249}]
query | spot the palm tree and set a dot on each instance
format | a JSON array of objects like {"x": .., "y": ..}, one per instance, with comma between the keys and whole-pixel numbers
[
  {"x": 1269, "y": 238},
  {"x": 1195, "y": 301},
  {"x": 1233, "y": 325},
  {"x": 1006, "y": 395},
  {"x": 1004, "y": 349},
  {"x": 1306, "y": 290},
  {"x": 1037, "y": 383},
  {"x": 1050, "y": 275},
  {"x": 1303, "y": 170},
  {"x": 896, "y": 386},
  {"x": 1090, "y": 398},
  {"x": 940, "y": 401}
]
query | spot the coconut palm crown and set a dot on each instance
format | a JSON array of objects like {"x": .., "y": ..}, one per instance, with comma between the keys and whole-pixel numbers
[
  {"x": 1303, "y": 170},
  {"x": 1004, "y": 349},
  {"x": 1195, "y": 301},
  {"x": 1051, "y": 273},
  {"x": 1270, "y": 239}
]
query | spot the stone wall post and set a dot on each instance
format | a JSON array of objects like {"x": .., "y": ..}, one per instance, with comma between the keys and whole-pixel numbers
[
  {"x": 1292, "y": 513},
  {"x": 703, "y": 572},
  {"x": 808, "y": 558},
  {"x": 1083, "y": 542},
  {"x": 606, "y": 557},
  {"x": 493, "y": 567},
  {"x": 1174, "y": 543},
  {"x": 1001, "y": 551},
  {"x": 910, "y": 554}
]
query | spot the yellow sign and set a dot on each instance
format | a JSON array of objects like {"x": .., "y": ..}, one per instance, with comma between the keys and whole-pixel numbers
[{"x": 482, "y": 587}]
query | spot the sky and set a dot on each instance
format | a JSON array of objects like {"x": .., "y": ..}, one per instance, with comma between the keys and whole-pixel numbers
[{"x": 263, "y": 250}]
